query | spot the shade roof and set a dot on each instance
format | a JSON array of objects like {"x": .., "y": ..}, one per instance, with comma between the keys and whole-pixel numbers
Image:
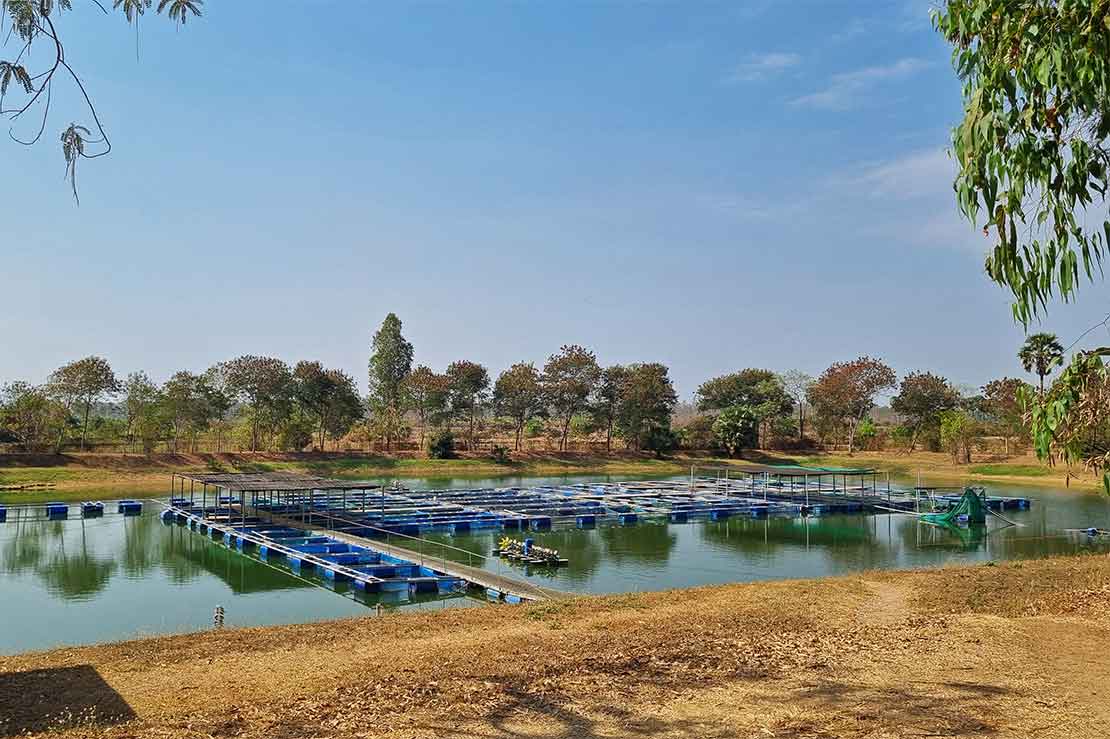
[
  {"x": 274, "y": 481},
  {"x": 797, "y": 469}
]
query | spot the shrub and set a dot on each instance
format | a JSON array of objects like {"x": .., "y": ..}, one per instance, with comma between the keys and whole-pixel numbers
[
  {"x": 441, "y": 445},
  {"x": 500, "y": 454}
]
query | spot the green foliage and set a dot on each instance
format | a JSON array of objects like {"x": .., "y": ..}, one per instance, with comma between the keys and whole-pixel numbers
[
  {"x": 534, "y": 428},
  {"x": 467, "y": 392},
  {"x": 33, "y": 416},
  {"x": 647, "y": 400},
  {"x": 736, "y": 428},
  {"x": 79, "y": 384},
  {"x": 518, "y": 395},
  {"x": 1002, "y": 404},
  {"x": 329, "y": 397},
  {"x": 1040, "y": 354},
  {"x": 606, "y": 399},
  {"x": 390, "y": 363},
  {"x": 500, "y": 454},
  {"x": 921, "y": 399},
  {"x": 441, "y": 445},
  {"x": 1071, "y": 420},
  {"x": 659, "y": 439},
  {"x": 265, "y": 386},
  {"x": 958, "y": 432},
  {"x": 1031, "y": 147},
  {"x": 569, "y": 379},
  {"x": 698, "y": 433}
]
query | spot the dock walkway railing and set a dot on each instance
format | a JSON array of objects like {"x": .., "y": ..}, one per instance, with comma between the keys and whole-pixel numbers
[{"x": 475, "y": 574}]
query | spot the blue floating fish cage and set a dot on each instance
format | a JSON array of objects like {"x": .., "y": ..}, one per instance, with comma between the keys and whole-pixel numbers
[
  {"x": 57, "y": 511},
  {"x": 130, "y": 507},
  {"x": 167, "y": 516},
  {"x": 92, "y": 509}
]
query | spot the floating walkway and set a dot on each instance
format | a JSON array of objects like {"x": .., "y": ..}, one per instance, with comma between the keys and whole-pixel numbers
[
  {"x": 61, "y": 511},
  {"x": 367, "y": 517}
]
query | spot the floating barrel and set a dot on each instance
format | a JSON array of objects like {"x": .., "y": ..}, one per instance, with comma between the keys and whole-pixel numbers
[
  {"x": 130, "y": 507},
  {"x": 3, "y": 514},
  {"x": 540, "y": 522},
  {"x": 493, "y": 594},
  {"x": 584, "y": 521},
  {"x": 91, "y": 509},
  {"x": 628, "y": 518},
  {"x": 719, "y": 513},
  {"x": 57, "y": 511},
  {"x": 678, "y": 517},
  {"x": 167, "y": 516}
]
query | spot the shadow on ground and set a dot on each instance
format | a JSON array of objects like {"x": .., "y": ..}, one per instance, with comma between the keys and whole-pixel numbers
[{"x": 58, "y": 698}]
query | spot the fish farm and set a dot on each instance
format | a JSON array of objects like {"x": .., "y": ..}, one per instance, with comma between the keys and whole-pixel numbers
[{"x": 374, "y": 537}]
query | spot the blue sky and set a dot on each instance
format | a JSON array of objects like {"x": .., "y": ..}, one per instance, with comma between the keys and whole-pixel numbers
[{"x": 711, "y": 185}]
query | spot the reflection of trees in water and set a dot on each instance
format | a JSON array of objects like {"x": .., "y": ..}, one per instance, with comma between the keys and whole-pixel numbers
[
  {"x": 77, "y": 576},
  {"x": 140, "y": 545},
  {"x": 187, "y": 554},
  {"x": 645, "y": 542},
  {"x": 761, "y": 535},
  {"x": 25, "y": 549}
]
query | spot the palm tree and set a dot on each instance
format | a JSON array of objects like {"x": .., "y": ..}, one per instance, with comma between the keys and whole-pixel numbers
[{"x": 1040, "y": 353}]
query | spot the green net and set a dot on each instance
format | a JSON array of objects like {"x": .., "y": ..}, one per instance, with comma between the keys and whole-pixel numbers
[{"x": 970, "y": 505}]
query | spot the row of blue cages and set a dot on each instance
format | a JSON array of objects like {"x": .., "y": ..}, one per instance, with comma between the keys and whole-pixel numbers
[
  {"x": 89, "y": 509},
  {"x": 385, "y": 572}
]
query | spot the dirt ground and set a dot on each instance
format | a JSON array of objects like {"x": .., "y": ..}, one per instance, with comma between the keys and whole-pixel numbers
[{"x": 1013, "y": 650}]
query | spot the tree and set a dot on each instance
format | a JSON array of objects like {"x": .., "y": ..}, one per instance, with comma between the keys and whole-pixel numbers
[
  {"x": 519, "y": 395},
  {"x": 796, "y": 384},
  {"x": 264, "y": 385},
  {"x": 32, "y": 415},
  {"x": 647, "y": 401},
  {"x": 921, "y": 399},
  {"x": 467, "y": 389},
  {"x": 141, "y": 398},
  {"x": 569, "y": 378},
  {"x": 1040, "y": 354},
  {"x": 760, "y": 390},
  {"x": 1002, "y": 404},
  {"x": 390, "y": 363},
  {"x": 426, "y": 393},
  {"x": 327, "y": 396},
  {"x": 84, "y": 382},
  {"x": 845, "y": 393},
  {"x": 185, "y": 399},
  {"x": 220, "y": 398},
  {"x": 607, "y": 397},
  {"x": 736, "y": 428},
  {"x": 33, "y": 23},
  {"x": 1032, "y": 145},
  {"x": 1032, "y": 156},
  {"x": 958, "y": 431}
]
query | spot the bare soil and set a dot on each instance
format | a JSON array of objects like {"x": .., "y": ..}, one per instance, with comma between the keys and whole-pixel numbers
[{"x": 1014, "y": 650}]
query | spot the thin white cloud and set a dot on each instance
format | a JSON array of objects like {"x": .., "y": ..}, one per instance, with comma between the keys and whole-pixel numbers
[
  {"x": 846, "y": 88},
  {"x": 761, "y": 66},
  {"x": 916, "y": 174}
]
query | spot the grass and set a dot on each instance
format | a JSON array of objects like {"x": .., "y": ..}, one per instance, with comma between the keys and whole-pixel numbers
[{"x": 1010, "y": 470}]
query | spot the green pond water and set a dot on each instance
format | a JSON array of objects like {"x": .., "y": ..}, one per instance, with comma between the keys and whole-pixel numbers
[{"x": 83, "y": 581}]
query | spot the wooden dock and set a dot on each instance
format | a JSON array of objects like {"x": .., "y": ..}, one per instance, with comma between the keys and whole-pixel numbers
[{"x": 505, "y": 584}]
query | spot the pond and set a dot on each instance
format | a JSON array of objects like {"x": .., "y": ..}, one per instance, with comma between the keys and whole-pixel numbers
[{"x": 82, "y": 581}]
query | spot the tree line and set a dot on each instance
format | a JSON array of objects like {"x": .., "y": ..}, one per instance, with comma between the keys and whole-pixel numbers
[{"x": 262, "y": 403}]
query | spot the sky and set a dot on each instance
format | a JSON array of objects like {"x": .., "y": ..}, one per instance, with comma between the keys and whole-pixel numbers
[{"x": 711, "y": 185}]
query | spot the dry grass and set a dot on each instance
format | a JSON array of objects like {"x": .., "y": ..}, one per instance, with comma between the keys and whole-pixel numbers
[{"x": 1014, "y": 650}]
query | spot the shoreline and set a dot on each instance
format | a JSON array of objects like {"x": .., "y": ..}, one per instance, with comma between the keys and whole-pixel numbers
[
  {"x": 77, "y": 477},
  {"x": 998, "y": 649}
]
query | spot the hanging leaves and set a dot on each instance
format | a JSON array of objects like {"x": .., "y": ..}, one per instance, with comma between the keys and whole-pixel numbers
[
  {"x": 1031, "y": 146},
  {"x": 33, "y": 23}
]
